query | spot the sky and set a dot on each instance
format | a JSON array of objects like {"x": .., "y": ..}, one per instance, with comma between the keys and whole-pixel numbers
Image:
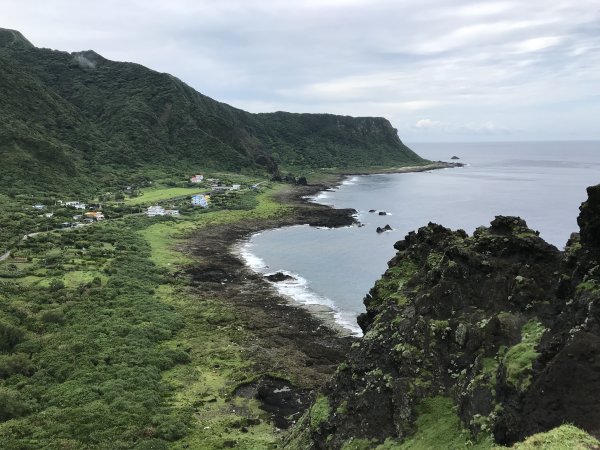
[{"x": 439, "y": 70}]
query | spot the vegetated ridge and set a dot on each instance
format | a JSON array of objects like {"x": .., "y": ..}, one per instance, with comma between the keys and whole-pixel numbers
[
  {"x": 73, "y": 119},
  {"x": 473, "y": 341}
]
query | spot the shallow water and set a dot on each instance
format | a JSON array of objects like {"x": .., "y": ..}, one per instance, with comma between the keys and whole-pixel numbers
[{"x": 544, "y": 183}]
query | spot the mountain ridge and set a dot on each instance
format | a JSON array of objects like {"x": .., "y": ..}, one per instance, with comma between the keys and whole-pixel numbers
[{"x": 108, "y": 117}]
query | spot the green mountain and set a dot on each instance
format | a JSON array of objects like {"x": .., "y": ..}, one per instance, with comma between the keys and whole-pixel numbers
[{"x": 68, "y": 118}]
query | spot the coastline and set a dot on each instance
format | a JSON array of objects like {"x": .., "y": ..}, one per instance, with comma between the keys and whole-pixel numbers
[
  {"x": 301, "y": 344},
  {"x": 322, "y": 308},
  {"x": 288, "y": 335},
  {"x": 233, "y": 236},
  {"x": 434, "y": 165}
]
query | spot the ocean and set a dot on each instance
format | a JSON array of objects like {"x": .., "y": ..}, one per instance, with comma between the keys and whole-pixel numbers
[{"x": 542, "y": 182}]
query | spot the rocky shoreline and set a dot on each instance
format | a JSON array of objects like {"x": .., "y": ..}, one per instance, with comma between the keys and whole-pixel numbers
[
  {"x": 497, "y": 333},
  {"x": 301, "y": 343}
]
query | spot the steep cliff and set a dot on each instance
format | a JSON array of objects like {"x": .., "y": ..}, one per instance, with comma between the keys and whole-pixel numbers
[{"x": 472, "y": 340}]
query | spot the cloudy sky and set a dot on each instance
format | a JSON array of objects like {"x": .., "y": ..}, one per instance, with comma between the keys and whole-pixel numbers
[{"x": 439, "y": 70}]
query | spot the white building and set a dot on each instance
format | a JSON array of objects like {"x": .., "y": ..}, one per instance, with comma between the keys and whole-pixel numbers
[
  {"x": 197, "y": 179},
  {"x": 155, "y": 211},
  {"x": 160, "y": 211},
  {"x": 76, "y": 205}
]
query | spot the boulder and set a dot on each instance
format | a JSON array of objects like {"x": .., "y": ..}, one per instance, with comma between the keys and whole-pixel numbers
[
  {"x": 278, "y": 277},
  {"x": 384, "y": 229}
]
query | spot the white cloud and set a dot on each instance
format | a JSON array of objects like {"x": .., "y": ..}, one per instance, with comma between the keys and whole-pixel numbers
[
  {"x": 520, "y": 64},
  {"x": 426, "y": 124},
  {"x": 539, "y": 43}
]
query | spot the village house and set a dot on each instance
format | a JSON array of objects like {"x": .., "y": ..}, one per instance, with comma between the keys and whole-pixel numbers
[
  {"x": 233, "y": 187},
  {"x": 200, "y": 200},
  {"x": 75, "y": 205},
  {"x": 197, "y": 179},
  {"x": 39, "y": 206},
  {"x": 157, "y": 210},
  {"x": 94, "y": 215}
]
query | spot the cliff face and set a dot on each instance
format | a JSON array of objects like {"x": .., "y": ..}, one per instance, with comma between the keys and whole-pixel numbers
[{"x": 500, "y": 328}]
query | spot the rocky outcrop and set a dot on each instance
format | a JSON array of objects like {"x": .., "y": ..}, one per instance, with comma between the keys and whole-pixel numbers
[
  {"x": 279, "y": 277},
  {"x": 501, "y": 324}
]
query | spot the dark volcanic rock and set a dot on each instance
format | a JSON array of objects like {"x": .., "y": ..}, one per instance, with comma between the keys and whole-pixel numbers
[
  {"x": 372, "y": 210},
  {"x": 382, "y": 213},
  {"x": 589, "y": 219},
  {"x": 281, "y": 399},
  {"x": 384, "y": 229},
  {"x": 455, "y": 157},
  {"x": 278, "y": 277},
  {"x": 501, "y": 323}
]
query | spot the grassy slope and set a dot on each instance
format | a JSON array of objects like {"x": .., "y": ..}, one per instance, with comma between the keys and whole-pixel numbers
[
  {"x": 438, "y": 427},
  {"x": 215, "y": 342},
  {"x": 110, "y": 350}
]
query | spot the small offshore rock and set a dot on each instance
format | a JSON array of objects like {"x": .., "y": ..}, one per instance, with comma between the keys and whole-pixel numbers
[
  {"x": 278, "y": 277},
  {"x": 372, "y": 210},
  {"x": 455, "y": 157},
  {"x": 382, "y": 213}
]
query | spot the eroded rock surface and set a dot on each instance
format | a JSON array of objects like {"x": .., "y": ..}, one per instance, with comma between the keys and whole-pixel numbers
[{"x": 502, "y": 323}]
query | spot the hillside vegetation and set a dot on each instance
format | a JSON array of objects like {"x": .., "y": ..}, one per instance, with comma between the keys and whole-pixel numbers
[{"x": 73, "y": 119}]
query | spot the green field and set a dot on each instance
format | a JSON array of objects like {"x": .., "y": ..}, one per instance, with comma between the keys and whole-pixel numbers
[{"x": 155, "y": 195}]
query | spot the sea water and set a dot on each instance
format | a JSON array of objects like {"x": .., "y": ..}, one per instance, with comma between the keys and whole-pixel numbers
[{"x": 542, "y": 182}]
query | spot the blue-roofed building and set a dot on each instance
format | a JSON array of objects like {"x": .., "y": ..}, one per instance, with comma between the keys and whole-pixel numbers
[{"x": 200, "y": 200}]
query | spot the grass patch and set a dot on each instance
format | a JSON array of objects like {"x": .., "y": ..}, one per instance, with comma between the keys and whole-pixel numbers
[
  {"x": 519, "y": 358},
  {"x": 565, "y": 437},
  {"x": 319, "y": 411},
  {"x": 154, "y": 195},
  {"x": 162, "y": 237},
  {"x": 438, "y": 426},
  {"x": 75, "y": 278},
  {"x": 215, "y": 344},
  {"x": 389, "y": 286}
]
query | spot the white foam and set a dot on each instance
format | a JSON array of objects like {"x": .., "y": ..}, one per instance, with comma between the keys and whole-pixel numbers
[
  {"x": 321, "y": 198},
  {"x": 298, "y": 289},
  {"x": 253, "y": 261},
  {"x": 350, "y": 181}
]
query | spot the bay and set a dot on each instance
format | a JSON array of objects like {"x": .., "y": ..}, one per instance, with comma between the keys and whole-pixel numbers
[{"x": 542, "y": 182}]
